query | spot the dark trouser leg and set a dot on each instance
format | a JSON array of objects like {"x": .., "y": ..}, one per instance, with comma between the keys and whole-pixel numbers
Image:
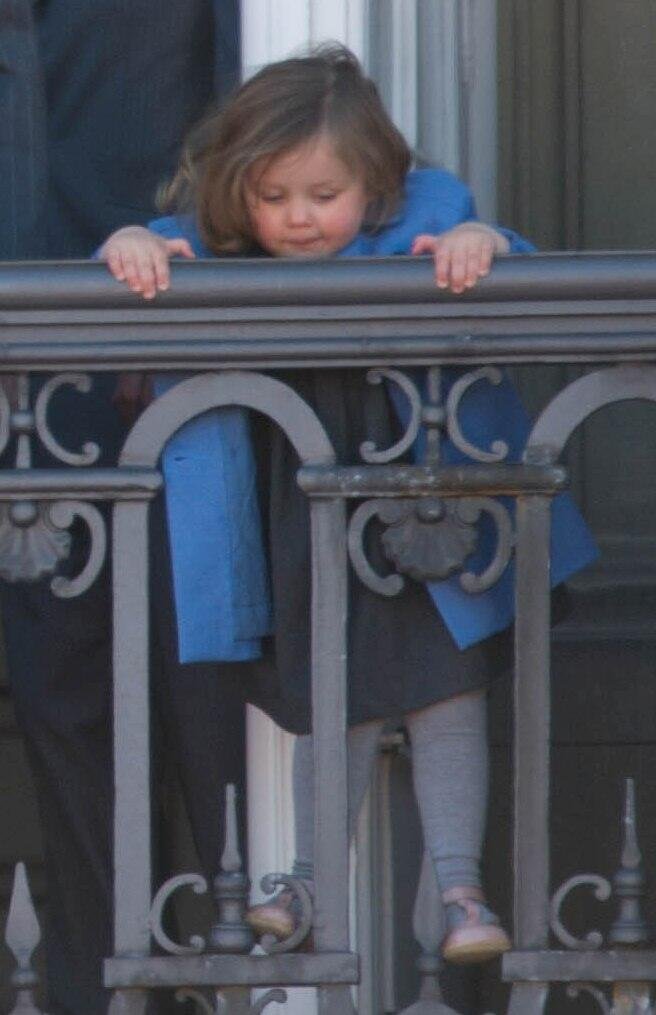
[
  {"x": 59, "y": 666},
  {"x": 201, "y": 709},
  {"x": 57, "y": 655}
]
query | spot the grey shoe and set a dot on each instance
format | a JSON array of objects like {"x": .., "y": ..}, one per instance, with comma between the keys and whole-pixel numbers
[{"x": 473, "y": 933}]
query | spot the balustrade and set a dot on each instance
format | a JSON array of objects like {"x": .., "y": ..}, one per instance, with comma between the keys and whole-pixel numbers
[{"x": 232, "y": 325}]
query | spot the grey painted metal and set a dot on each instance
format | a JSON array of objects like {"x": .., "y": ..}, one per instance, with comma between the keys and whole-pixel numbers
[
  {"x": 608, "y": 966},
  {"x": 128, "y": 1002},
  {"x": 629, "y": 883},
  {"x": 230, "y": 933},
  {"x": 329, "y": 713},
  {"x": 298, "y": 889},
  {"x": 232, "y": 970},
  {"x": 61, "y": 516},
  {"x": 132, "y": 851},
  {"x": 90, "y": 451},
  {"x": 537, "y": 308},
  {"x": 72, "y": 484},
  {"x": 498, "y": 449},
  {"x": 602, "y": 891},
  {"x": 531, "y": 753},
  {"x": 198, "y": 394},
  {"x": 574, "y": 990},
  {"x": 30, "y": 545},
  {"x": 198, "y": 884},
  {"x": 528, "y": 997},
  {"x": 587, "y": 395},
  {"x": 427, "y": 481},
  {"x": 630, "y": 927},
  {"x": 22, "y": 935},
  {"x": 368, "y": 450},
  {"x": 428, "y": 927}
]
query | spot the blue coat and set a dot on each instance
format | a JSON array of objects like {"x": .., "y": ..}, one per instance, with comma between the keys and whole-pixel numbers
[{"x": 219, "y": 567}]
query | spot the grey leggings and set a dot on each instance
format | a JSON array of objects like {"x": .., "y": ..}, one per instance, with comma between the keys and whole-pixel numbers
[{"x": 450, "y": 772}]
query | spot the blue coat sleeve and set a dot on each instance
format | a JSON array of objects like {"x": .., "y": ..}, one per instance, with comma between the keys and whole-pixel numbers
[{"x": 220, "y": 582}]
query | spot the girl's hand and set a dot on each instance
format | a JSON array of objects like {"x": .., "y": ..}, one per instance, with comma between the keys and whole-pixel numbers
[
  {"x": 140, "y": 258},
  {"x": 463, "y": 254}
]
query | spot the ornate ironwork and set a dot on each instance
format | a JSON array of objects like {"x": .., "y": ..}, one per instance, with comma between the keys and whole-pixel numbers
[
  {"x": 429, "y": 539},
  {"x": 231, "y": 934},
  {"x": 302, "y": 899},
  {"x": 198, "y": 884},
  {"x": 630, "y": 927},
  {"x": 90, "y": 450},
  {"x": 31, "y": 545},
  {"x": 22, "y": 935},
  {"x": 428, "y": 926},
  {"x": 498, "y": 449},
  {"x": 62, "y": 515},
  {"x": 226, "y": 1005},
  {"x": 602, "y": 890},
  {"x": 368, "y": 449},
  {"x": 33, "y": 536},
  {"x": 574, "y": 990}
]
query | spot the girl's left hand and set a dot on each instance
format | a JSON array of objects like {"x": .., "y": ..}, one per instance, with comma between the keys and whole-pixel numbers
[{"x": 463, "y": 254}]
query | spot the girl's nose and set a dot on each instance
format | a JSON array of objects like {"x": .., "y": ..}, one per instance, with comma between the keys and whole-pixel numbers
[{"x": 298, "y": 212}]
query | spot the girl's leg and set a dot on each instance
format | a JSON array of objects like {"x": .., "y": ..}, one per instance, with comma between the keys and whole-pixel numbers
[
  {"x": 450, "y": 771},
  {"x": 450, "y": 768},
  {"x": 278, "y": 917}
]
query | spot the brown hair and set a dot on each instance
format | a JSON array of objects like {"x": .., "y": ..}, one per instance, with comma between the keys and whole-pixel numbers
[{"x": 282, "y": 106}]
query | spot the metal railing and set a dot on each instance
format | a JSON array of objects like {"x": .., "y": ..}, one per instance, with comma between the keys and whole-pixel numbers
[{"x": 229, "y": 323}]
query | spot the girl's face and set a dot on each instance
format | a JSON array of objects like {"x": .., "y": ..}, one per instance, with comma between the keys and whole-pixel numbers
[{"x": 306, "y": 202}]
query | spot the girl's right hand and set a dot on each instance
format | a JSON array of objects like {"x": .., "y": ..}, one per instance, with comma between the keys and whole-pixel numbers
[{"x": 140, "y": 258}]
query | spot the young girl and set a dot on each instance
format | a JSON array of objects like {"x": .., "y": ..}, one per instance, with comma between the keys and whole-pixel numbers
[{"x": 304, "y": 162}]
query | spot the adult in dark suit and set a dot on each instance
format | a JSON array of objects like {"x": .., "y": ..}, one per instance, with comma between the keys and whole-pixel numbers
[{"x": 95, "y": 98}]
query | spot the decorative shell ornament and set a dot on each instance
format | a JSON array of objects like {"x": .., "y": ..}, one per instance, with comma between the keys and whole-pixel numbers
[
  {"x": 426, "y": 539},
  {"x": 30, "y": 546}
]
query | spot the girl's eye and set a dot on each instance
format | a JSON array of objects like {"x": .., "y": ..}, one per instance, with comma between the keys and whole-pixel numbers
[
  {"x": 271, "y": 198},
  {"x": 327, "y": 196}
]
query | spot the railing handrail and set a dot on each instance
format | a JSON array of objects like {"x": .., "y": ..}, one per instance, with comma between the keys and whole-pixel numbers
[
  {"x": 261, "y": 282},
  {"x": 272, "y": 312}
]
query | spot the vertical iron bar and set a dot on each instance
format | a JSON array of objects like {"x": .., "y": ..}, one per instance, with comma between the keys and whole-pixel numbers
[
  {"x": 329, "y": 714},
  {"x": 132, "y": 859},
  {"x": 532, "y": 727}
]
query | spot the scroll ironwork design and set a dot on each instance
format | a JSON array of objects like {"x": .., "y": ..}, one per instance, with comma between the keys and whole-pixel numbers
[
  {"x": 198, "y": 884},
  {"x": 90, "y": 450},
  {"x": 302, "y": 899},
  {"x": 574, "y": 990},
  {"x": 62, "y": 515},
  {"x": 33, "y": 536},
  {"x": 223, "y": 1006},
  {"x": 498, "y": 449},
  {"x": 428, "y": 538},
  {"x": 368, "y": 449},
  {"x": 602, "y": 891}
]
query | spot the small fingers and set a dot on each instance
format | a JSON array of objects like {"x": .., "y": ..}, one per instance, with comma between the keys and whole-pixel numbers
[
  {"x": 139, "y": 273},
  {"x": 425, "y": 244},
  {"x": 179, "y": 246},
  {"x": 115, "y": 264}
]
